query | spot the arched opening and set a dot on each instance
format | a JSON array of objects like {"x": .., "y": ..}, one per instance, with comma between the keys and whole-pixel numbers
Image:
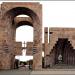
[
  {"x": 24, "y": 33},
  {"x": 22, "y": 11}
]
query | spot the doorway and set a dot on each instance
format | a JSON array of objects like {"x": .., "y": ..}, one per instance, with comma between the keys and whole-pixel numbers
[{"x": 64, "y": 52}]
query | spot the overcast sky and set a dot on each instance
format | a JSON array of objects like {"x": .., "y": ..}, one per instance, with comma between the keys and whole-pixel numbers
[{"x": 55, "y": 14}]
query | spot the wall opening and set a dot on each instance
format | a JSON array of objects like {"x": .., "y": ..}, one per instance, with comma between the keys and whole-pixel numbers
[{"x": 24, "y": 34}]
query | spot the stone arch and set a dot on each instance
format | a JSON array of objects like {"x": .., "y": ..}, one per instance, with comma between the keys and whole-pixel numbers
[
  {"x": 24, "y": 23},
  {"x": 19, "y": 21},
  {"x": 10, "y": 11}
]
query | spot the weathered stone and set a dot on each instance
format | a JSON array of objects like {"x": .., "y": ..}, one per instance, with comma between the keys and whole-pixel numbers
[
  {"x": 61, "y": 39},
  {"x": 46, "y": 44},
  {"x": 18, "y": 48},
  {"x": 29, "y": 50},
  {"x": 9, "y": 22},
  {"x": 9, "y": 48}
]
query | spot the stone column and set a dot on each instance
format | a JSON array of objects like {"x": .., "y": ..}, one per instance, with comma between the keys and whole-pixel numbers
[
  {"x": 37, "y": 47},
  {"x": 6, "y": 37},
  {"x": 46, "y": 51},
  {"x": 37, "y": 39}
]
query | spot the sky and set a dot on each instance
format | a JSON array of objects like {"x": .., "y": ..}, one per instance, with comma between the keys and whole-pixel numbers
[{"x": 54, "y": 14}]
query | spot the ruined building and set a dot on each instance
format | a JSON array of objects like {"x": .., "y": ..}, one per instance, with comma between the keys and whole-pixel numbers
[
  {"x": 9, "y": 48},
  {"x": 59, "y": 50}
]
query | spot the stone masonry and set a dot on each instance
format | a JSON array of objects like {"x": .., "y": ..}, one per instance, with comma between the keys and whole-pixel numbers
[
  {"x": 49, "y": 48},
  {"x": 8, "y": 24},
  {"x": 61, "y": 40},
  {"x": 54, "y": 35}
]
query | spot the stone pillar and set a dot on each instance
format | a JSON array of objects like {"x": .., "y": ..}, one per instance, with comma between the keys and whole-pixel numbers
[
  {"x": 37, "y": 39},
  {"x": 6, "y": 38},
  {"x": 46, "y": 51},
  {"x": 4, "y": 49},
  {"x": 14, "y": 51},
  {"x": 37, "y": 47}
]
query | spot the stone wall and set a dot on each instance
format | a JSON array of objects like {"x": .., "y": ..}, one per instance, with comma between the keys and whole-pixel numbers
[
  {"x": 54, "y": 35},
  {"x": 29, "y": 48}
]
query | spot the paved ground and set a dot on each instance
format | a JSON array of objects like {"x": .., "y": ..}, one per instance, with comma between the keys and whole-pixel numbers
[
  {"x": 15, "y": 72},
  {"x": 44, "y": 72},
  {"x": 54, "y": 72}
]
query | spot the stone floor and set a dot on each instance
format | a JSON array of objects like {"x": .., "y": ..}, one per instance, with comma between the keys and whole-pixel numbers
[{"x": 43, "y": 72}]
